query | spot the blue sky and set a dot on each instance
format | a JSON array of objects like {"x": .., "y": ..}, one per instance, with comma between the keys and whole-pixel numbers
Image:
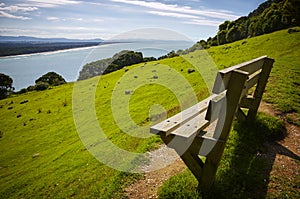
[{"x": 196, "y": 19}]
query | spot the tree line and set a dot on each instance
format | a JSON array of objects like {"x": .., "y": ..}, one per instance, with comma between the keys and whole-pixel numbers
[
  {"x": 42, "y": 83},
  {"x": 270, "y": 16}
]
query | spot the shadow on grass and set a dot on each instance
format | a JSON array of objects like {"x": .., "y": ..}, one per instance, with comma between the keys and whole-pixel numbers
[{"x": 246, "y": 164}]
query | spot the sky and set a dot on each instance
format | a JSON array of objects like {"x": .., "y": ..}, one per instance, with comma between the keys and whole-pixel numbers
[{"x": 105, "y": 19}]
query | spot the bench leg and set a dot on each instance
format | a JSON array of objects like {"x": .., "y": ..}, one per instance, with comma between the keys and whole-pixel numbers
[
  {"x": 260, "y": 88},
  {"x": 210, "y": 167},
  {"x": 194, "y": 163},
  {"x": 223, "y": 128}
]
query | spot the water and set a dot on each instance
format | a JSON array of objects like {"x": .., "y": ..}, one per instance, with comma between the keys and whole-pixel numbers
[{"x": 25, "y": 69}]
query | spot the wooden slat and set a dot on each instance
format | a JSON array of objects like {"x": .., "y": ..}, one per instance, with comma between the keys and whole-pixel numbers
[
  {"x": 192, "y": 127},
  {"x": 221, "y": 83},
  {"x": 249, "y": 66},
  {"x": 169, "y": 125},
  {"x": 247, "y": 102},
  {"x": 233, "y": 95},
  {"x": 214, "y": 107},
  {"x": 223, "y": 76},
  {"x": 253, "y": 79}
]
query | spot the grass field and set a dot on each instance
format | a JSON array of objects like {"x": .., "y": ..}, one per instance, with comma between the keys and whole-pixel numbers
[{"x": 43, "y": 156}]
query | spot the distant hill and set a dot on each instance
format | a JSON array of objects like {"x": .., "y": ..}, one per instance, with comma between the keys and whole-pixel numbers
[
  {"x": 104, "y": 66},
  {"x": 10, "y": 45},
  {"x": 270, "y": 16},
  {"x": 44, "y": 40}
]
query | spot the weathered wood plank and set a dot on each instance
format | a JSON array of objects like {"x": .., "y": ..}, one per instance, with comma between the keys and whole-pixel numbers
[
  {"x": 233, "y": 95},
  {"x": 223, "y": 76},
  {"x": 215, "y": 105},
  {"x": 192, "y": 127},
  {"x": 249, "y": 66},
  {"x": 247, "y": 102},
  {"x": 253, "y": 79},
  {"x": 169, "y": 125}
]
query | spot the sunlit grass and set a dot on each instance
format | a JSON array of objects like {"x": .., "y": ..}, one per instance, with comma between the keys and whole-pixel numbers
[{"x": 42, "y": 155}]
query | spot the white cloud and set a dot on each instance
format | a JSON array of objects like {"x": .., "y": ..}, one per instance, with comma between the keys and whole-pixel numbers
[
  {"x": 204, "y": 22},
  {"x": 97, "y": 20},
  {"x": 75, "y": 19},
  {"x": 80, "y": 28},
  {"x": 17, "y": 8},
  {"x": 180, "y": 9},
  {"x": 58, "y": 31},
  {"x": 7, "y": 15},
  {"x": 53, "y": 18},
  {"x": 173, "y": 14},
  {"x": 52, "y": 3}
]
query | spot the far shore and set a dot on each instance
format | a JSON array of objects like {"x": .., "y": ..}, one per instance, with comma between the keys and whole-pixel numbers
[{"x": 67, "y": 49}]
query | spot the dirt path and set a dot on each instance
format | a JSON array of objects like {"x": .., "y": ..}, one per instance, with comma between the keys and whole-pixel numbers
[
  {"x": 285, "y": 174},
  {"x": 149, "y": 185},
  {"x": 280, "y": 154}
]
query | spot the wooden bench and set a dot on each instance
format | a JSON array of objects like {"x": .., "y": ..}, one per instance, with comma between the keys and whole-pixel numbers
[{"x": 199, "y": 133}]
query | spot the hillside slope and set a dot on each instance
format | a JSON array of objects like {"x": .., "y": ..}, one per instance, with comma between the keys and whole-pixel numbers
[
  {"x": 270, "y": 16},
  {"x": 42, "y": 155}
]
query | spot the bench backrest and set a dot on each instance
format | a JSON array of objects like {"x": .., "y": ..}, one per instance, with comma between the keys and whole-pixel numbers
[{"x": 229, "y": 98}]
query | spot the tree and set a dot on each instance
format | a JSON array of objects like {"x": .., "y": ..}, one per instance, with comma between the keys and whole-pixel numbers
[
  {"x": 172, "y": 54},
  {"x": 203, "y": 43},
  {"x": 221, "y": 37},
  {"x": 5, "y": 85},
  {"x": 224, "y": 26},
  {"x": 233, "y": 35},
  {"x": 52, "y": 78}
]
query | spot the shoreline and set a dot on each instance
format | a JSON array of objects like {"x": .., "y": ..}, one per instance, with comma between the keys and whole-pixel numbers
[
  {"x": 57, "y": 51},
  {"x": 48, "y": 52}
]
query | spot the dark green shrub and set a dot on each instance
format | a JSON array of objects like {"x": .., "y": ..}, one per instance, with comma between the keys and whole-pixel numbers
[
  {"x": 52, "y": 78},
  {"x": 40, "y": 86}
]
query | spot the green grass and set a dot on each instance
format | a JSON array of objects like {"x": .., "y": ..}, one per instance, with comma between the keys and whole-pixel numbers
[
  {"x": 43, "y": 156},
  {"x": 63, "y": 167},
  {"x": 41, "y": 152}
]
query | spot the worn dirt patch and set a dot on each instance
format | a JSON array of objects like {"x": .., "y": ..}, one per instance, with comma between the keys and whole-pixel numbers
[
  {"x": 284, "y": 156},
  {"x": 170, "y": 164}
]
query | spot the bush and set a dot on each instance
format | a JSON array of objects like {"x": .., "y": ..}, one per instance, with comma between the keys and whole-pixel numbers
[
  {"x": 5, "y": 85},
  {"x": 148, "y": 59},
  {"x": 30, "y": 88},
  {"x": 52, "y": 78},
  {"x": 23, "y": 90},
  {"x": 40, "y": 86}
]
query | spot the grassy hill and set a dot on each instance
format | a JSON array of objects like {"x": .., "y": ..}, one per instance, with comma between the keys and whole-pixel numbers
[{"x": 43, "y": 156}]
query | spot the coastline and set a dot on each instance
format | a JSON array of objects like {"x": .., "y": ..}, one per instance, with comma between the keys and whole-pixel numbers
[
  {"x": 57, "y": 51},
  {"x": 48, "y": 52}
]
